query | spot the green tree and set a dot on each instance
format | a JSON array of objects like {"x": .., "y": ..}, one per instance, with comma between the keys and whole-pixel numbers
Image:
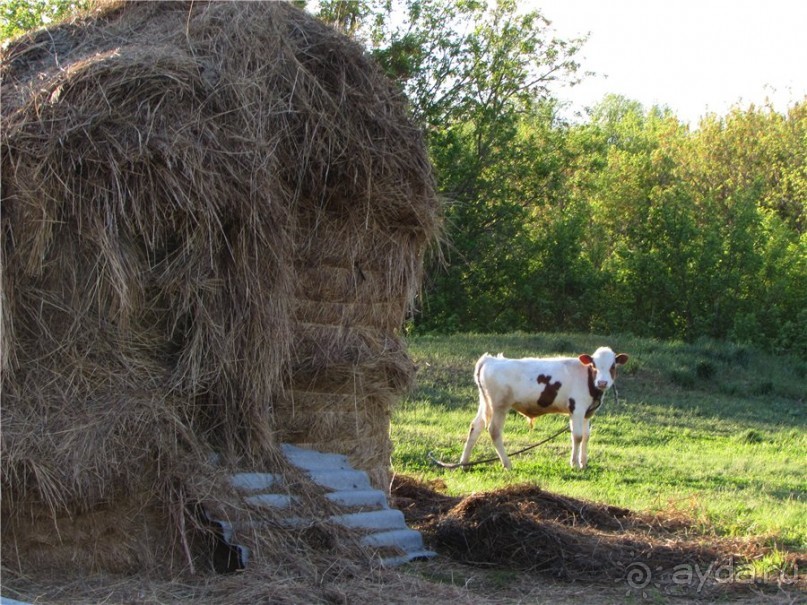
[
  {"x": 19, "y": 16},
  {"x": 477, "y": 78},
  {"x": 702, "y": 226},
  {"x": 348, "y": 16}
]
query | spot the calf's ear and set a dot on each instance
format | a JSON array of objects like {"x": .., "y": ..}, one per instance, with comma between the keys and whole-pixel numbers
[
  {"x": 586, "y": 360},
  {"x": 622, "y": 359}
]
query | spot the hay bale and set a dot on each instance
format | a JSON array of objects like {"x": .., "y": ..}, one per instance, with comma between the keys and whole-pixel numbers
[{"x": 214, "y": 217}]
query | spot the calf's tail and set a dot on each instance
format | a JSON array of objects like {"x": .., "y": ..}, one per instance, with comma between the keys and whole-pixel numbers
[{"x": 485, "y": 406}]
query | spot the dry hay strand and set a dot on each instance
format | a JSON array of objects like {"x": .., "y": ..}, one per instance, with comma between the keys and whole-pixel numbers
[
  {"x": 420, "y": 502},
  {"x": 324, "y": 415},
  {"x": 523, "y": 527},
  {"x": 337, "y": 359},
  {"x": 372, "y": 314},
  {"x": 175, "y": 177},
  {"x": 335, "y": 581}
]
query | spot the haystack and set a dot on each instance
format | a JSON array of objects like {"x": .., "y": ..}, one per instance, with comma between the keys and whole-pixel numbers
[{"x": 214, "y": 217}]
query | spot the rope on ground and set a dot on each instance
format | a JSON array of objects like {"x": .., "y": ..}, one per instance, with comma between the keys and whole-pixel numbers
[{"x": 442, "y": 464}]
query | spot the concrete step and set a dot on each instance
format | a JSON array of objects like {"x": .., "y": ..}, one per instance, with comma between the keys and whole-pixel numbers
[
  {"x": 341, "y": 480},
  {"x": 8, "y": 601},
  {"x": 312, "y": 460},
  {"x": 395, "y": 561},
  {"x": 271, "y": 500},
  {"x": 367, "y": 498},
  {"x": 255, "y": 482},
  {"x": 407, "y": 540},
  {"x": 388, "y": 518}
]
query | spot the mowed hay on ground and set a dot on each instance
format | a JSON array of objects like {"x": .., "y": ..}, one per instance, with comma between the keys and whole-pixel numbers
[
  {"x": 214, "y": 217},
  {"x": 525, "y": 528}
]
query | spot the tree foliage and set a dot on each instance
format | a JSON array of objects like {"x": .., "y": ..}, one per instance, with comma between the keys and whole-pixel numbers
[
  {"x": 476, "y": 76},
  {"x": 19, "y": 16},
  {"x": 706, "y": 232}
]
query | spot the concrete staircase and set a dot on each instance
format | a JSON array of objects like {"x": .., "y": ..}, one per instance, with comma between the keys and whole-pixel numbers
[{"x": 382, "y": 528}]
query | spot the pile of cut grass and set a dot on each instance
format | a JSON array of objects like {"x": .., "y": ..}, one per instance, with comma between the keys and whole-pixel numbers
[{"x": 525, "y": 528}]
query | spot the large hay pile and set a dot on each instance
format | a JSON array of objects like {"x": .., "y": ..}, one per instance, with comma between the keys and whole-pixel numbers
[
  {"x": 213, "y": 220},
  {"x": 522, "y": 527}
]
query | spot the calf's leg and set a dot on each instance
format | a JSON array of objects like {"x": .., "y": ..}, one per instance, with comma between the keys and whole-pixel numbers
[
  {"x": 584, "y": 445},
  {"x": 576, "y": 423},
  {"x": 477, "y": 426},
  {"x": 496, "y": 429}
]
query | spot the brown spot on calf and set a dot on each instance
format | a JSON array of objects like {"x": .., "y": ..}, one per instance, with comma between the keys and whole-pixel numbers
[
  {"x": 550, "y": 391},
  {"x": 596, "y": 394}
]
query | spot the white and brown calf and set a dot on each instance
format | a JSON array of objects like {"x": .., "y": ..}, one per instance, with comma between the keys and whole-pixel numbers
[{"x": 534, "y": 387}]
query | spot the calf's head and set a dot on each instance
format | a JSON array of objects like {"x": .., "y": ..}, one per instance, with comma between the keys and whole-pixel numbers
[{"x": 602, "y": 366}]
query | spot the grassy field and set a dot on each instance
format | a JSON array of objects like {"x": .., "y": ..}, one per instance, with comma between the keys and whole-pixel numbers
[{"x": 712, "y": 430}]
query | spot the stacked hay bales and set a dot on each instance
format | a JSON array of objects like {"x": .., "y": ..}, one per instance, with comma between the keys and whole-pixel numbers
[{"x": 213, "y": 217}]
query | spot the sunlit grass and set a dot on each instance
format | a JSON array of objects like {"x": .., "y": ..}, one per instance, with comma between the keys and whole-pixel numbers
[{"x": 693, "y": 431}]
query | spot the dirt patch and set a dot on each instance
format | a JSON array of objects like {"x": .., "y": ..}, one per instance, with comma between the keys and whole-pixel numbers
[{"x": 524, "y": 528}]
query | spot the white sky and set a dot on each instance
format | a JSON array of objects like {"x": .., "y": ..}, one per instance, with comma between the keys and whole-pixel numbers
[{"x": 694, "y": 56}]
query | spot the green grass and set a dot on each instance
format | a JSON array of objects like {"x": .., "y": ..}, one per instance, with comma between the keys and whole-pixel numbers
[{"x": 714, "y": 430}]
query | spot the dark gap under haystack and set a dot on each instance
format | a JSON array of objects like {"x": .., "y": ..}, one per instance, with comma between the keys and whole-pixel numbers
[{"x": 214, "y": 217}]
